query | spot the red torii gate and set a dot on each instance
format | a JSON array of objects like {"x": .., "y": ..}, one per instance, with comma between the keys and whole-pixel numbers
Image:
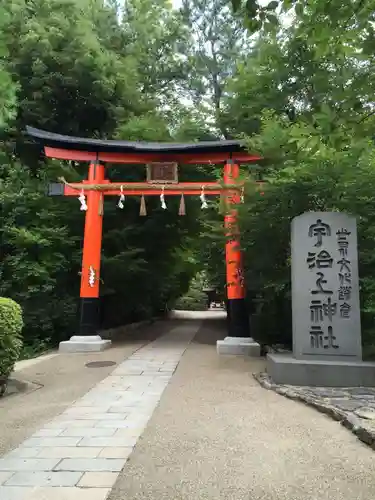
[{"x": 96, "y": 153}]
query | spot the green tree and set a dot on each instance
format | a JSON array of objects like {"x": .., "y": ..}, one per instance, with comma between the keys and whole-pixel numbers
[
  {"x": 7, "y": 86},
  {"x": 156, "y": 43},
  {"x": 303, "y": 97},
  {"x": 315, "y": 126},
  {"x": 296, "y": 75},
  {"x": 73, "y": 78},
  {"x": 68, "y": 82},
  {"x": 217, "y": 42},
  {"x": 337, "y": 15},
  {"x": 194, "y": 299},
  {"x": 312, "y": 172},
  {"x": 37, "y": 253}
]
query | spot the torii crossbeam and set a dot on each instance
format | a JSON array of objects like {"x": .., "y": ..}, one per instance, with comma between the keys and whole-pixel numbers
[{"x": 162, "y": 181}]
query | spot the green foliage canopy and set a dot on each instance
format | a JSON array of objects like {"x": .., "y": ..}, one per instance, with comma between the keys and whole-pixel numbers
[
  {"x": 84, "y": 68},
  {"x": 298, "y": 85}
]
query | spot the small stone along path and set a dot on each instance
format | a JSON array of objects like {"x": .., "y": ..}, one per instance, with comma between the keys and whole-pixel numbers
[
  {"x": 79, "y": 454},
  {"x": 354, "y": 407}
]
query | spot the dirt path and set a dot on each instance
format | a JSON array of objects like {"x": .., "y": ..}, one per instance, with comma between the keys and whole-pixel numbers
[{"x": 218, "y": 435}]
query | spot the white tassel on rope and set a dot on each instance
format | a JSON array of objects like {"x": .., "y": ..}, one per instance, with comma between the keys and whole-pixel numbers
[
  {"x": 82, "y": 199},
  {"x": 162, "y": 199},
  {"x": 120, "y": 203},
  {"x": 203, "y": 199}
]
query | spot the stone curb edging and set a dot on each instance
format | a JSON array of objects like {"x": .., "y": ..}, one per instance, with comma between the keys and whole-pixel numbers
[{"x": 357, "y": 425}]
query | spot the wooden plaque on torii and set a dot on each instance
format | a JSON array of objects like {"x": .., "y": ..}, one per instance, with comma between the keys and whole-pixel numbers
[{"x": 162, "y": 173}]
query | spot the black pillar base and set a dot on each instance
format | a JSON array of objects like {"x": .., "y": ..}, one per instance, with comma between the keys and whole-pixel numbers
[
  {"x": 89, "y": 322},
  {"x": 238, "y": 318}
]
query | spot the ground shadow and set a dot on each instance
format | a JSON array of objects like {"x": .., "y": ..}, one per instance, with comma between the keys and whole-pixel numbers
[
  {"x": 213, "y": 328},
  {"x": 211, "y": 331},
  {"x": 144, "y": 334}
]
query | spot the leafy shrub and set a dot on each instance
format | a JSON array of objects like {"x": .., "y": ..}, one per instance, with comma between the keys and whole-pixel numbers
[
  {"x": 195, "y": 299},
  {"x": 11, "y": 324},
  {"x": 191, "y": 304}
]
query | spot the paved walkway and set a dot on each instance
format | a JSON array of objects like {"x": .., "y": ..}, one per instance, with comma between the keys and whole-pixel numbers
[
  {"x": 58, "y": 381},
  {"x": 79, "y": 454},
  {"x": 216, "y": 434}
]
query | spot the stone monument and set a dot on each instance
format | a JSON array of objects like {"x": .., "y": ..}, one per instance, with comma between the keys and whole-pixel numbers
[{"x": 327, "y": 347}]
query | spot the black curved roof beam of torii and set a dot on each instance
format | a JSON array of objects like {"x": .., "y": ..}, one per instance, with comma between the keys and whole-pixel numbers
[{"x": 65, "y": 147}]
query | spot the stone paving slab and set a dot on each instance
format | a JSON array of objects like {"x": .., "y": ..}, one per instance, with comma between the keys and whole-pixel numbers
[
  {"x": 4, "y": 476},
  {"x": 105, "y": 442},
  {"x": 68, "y": 452},
  {"x": 80, "y": 453},
  {"x": 44, "y": 478},
  {"x": 26, "y": 464},
  {"x": 91, "y": 464},
  {"x": 353, "y": 407},
  {"x": 98, "y": 479},
  {"x": 44, "y": 442},
  {"x": 114, "y": 452},
  {"x": 51, "y": 493}
]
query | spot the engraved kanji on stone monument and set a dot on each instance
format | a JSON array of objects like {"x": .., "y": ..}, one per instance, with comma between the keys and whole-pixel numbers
[
  {"x": 325, "y": 292},
  {"x": 345, "y": 273},
  {"x": 318, "y": 230},
  {"x": 321, "y": 260}
]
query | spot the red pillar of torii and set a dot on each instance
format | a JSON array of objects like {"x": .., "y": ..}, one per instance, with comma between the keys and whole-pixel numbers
[
  {"x": 92, "y": 191},
  {"x": 238, "y": 318}
]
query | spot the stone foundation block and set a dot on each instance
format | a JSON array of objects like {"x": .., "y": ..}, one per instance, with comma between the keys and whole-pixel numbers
[
  {"x": 78, "y": 343},
  {"x": 285, "y": 369},
  {"x": 238, "y": 346}
]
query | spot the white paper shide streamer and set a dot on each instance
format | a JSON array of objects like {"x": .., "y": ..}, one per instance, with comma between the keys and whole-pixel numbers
[
  {"x": 82, "y": 199},
  {"x": 203, "y": 199},
  {"x": 162, "y": 199},
  {"x": 120, "y": 203},
  {"x": 92, "y": 276}
]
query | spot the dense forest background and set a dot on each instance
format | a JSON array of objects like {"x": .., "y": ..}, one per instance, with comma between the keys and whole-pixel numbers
[{"x": 295, "y": 78}]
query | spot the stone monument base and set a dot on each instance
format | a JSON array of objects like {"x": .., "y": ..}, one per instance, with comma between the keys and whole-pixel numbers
[
  {"x": 81, "y": 343},
  {"x": 238, "y": 346},
  {"x": 285, "y": 369}
]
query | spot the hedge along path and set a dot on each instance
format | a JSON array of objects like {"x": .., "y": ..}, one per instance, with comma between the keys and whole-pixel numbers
[{"x": 11, "y": 324}]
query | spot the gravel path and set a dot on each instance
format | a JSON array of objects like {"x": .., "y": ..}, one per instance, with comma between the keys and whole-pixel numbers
[{"x": 218, "y": 435}]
